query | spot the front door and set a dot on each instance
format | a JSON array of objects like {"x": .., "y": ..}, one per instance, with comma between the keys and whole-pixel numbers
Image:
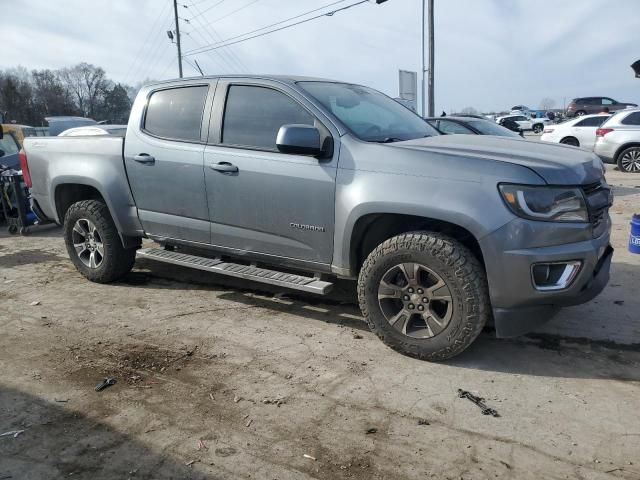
[
  {"x": 260, "y": 200},
  {"x": 164, "y": 160}
]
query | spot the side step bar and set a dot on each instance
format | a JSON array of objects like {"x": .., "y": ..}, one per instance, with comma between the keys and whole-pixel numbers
[{"x": 215, "y": 265}]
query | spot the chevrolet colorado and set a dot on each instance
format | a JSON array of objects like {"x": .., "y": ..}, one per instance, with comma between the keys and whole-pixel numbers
[{"x": 295, "y": 181}]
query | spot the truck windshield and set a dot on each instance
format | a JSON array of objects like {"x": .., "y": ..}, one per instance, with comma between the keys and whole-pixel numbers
[{"x": 370, "y": 115}]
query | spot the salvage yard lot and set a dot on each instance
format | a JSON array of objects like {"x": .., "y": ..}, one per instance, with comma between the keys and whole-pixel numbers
[{"x": 219, "y": 378}]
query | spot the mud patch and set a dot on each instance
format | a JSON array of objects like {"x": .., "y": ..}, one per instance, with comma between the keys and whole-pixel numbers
[
  {"x": 130, "y": 363},
  {"x": 27, "y": 257}
]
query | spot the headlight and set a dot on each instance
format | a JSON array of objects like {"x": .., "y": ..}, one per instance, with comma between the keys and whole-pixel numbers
[{"x": 551, "y": 204}]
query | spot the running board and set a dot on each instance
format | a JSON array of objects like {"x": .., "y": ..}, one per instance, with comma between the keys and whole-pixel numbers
[{"x": 215, "y": 265}]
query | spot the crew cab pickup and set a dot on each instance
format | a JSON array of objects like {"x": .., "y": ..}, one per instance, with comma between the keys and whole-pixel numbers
[{"x": 297, "y": 181}]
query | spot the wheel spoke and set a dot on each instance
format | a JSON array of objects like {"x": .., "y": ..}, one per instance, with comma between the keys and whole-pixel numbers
[
  {"x": 100, "y": 248},
  {"x": 92, "y": 260},
  {"x": 434, "y": 324},
  {"x": 80, "y": 248},
  {"x": 388, "y": 290},
  {"x": 80, "y": 229},
  {"x": 400, "y": 320},
  {"x": 439, "y": 292},
  {"x": 410, "y": 272}
]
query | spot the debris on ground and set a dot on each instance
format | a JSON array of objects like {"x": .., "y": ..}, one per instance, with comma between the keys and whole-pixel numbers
[
  {"x": 274, "y": 401},
  {"x": 479, "y": 401},
  {"x": 33, "y": 304},
  {"x": 236, "y": 399},
  {"x": 619, "y": 302},
  {"x": 422, "y": 421},
  {"x": 309, "y": 457},
  {"x": 190, "y": 462},
  {"x": 249, "y": 422},
  {"x": 107, "y": 382},
  {"x": 371, "y": 431},
  {"x": 202, "y": 445},
  {"x": 12, "y": 433},
  {"x": 357, "y": 336}
]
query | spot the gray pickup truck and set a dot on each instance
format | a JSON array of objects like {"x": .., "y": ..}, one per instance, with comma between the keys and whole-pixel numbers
[{"x": 297, "y": 181}]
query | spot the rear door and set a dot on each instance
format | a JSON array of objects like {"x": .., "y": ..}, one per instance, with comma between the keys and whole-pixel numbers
[
  {"x": 260, "y": 200},
  {"x": 164, "y": 158},
  {"x": 585, "y": 130}
]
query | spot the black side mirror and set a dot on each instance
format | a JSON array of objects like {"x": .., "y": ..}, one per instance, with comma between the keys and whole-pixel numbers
[{"x": 299, "y": 140}]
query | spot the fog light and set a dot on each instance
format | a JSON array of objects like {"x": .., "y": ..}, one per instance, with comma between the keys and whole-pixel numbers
[{"x": 554, "y": 276}]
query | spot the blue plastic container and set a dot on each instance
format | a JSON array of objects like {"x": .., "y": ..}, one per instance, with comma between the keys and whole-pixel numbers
[{"x": 634, "y": 235}]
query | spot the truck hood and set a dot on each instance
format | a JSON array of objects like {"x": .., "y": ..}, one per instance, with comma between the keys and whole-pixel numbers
[{"x": 556, "y": 164}]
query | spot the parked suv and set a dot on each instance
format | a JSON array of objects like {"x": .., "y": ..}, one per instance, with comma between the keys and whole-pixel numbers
[
  {"x": 295, "y": 181},
  {"x": 587, "y": 105},
  {"x": 618, "y": 140}
]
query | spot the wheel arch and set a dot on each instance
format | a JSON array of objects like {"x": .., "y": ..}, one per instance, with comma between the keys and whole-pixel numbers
[
  {"x": 570, "y": 136},
  {"x": 623, "y": 148},
  {"x": 372, "y": 229},
  {"x": 66, "y": 194}
]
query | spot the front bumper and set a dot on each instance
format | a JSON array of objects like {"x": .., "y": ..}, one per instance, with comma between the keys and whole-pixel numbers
[{"x": 518, "y": 307}]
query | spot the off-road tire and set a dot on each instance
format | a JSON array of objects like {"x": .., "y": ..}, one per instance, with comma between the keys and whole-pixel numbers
[
  {"x": 459, "y": 268},
  {"x": 117, "y": 260}
]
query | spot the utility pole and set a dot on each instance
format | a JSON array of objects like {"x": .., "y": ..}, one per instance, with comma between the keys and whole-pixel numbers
[
  {"x": 422, "y": 67},
  {"x": 175, "y": 12},
  {"x": 431, "y": 59}
]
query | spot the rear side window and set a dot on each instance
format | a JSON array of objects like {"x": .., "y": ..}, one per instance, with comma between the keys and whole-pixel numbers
[
  {"x": 253, "y": 116},
  {"x": 631, "y": 119},
  {"x": 176, "y": 113},
  {"x": 446, "y": 126},
  {"x": 592, "y": 122}
]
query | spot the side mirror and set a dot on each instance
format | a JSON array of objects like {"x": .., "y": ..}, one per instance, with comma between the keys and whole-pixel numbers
[
  {"x": 1, "y": 133},
  {"x": 299, "y": 140}
]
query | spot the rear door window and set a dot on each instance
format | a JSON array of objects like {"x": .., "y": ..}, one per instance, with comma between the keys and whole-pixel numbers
[
  {"x": 447, "y": 126},
  {"x": 607, "y": 101},
  {"x": 631, "y": 119},
  {"x": 592, "y": 122},
  {"x": 253, "y": 116},
  {"x": 176, "y": 113},
  {"x": 8, "y": 144}
]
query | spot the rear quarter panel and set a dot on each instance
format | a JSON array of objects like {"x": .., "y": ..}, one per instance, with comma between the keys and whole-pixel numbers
[{"x": 92, "y": 161}]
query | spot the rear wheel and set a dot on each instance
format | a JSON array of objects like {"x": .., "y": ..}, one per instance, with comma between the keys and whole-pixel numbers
[
  {"x": 570, "y": 141},
  {"x": 424, "y": 294},
  {"x": 93, "y": 242},
  {"x": 629, "y": 160},
  {"x": 579, "y": 113}
]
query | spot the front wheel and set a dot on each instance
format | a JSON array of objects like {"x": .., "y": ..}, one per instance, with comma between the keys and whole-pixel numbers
[
  {"x": 538, "y": 128},
  {"x": 424, "y": 294},
  {"x": 93, "y": 242},
  {"x": 629, "y": 160}
]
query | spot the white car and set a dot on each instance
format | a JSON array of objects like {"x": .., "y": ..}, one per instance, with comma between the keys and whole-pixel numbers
[
  {"x": 526, "y": 123},
  {"x": 579, "y": 131},
  {"x": 118, "y": 130}
]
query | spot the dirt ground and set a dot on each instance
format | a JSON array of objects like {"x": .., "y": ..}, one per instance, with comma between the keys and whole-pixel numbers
[{"x": 224, "y": 379}]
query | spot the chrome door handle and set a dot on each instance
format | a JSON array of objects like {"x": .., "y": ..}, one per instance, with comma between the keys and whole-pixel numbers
[
  {"x": 145, "y": 159},
  {"x": 225, "y": 167}
]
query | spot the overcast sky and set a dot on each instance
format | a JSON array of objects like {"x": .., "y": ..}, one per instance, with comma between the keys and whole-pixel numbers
[{"x": 490, "y": 54}]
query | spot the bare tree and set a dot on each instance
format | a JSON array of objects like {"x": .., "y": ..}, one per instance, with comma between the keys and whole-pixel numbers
[
  {"x": 87, "y": 84},
  {"x": 469, "y": 111},
  {"x": 547, "y": 103}
]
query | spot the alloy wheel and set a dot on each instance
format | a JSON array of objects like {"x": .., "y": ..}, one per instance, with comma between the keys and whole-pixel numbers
[
  {"x": 88, "y": 243},
  {"x": 630, "y": 161},
  {"x": 415, "y": 300}
]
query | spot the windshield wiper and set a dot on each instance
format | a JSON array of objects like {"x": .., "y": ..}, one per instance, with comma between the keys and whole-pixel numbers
[{"x": 388, "y": 140}]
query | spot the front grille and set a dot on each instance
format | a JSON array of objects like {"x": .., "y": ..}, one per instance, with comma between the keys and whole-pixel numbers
[{"x": 598, "y": 200}]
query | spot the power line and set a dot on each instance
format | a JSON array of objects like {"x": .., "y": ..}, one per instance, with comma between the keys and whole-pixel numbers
[
  {"x": 144, "y": 43},
  {"x": 230, "y": 53},
  {"x": 231, "y": 13},
  {"x": 226, "y": 43},
  {"x": 280, "y": 22},
  {"x": 207, "y": 9}
]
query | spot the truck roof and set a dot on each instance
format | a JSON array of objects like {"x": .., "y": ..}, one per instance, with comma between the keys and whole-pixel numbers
[{"x": 281, "y": 78}]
